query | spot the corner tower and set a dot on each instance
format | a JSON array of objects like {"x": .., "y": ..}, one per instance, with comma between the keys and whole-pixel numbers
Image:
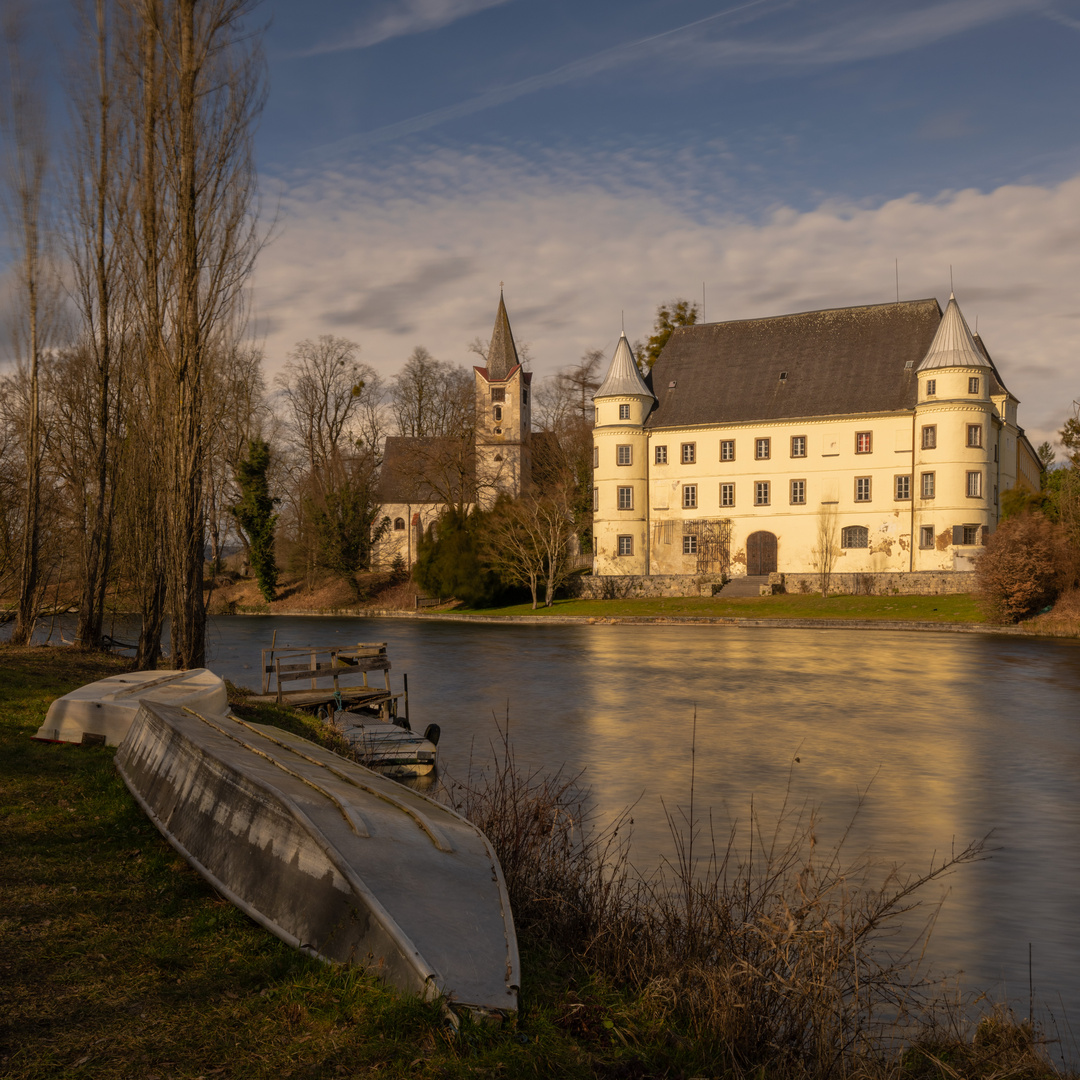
[
  {"x": 957, "y": 456},
  {"x": 621, "y": 468},
  {"x": 503, "y": 420}
]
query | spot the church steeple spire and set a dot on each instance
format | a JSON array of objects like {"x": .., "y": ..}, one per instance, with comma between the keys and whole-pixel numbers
[{"x": 502, "y": 353}]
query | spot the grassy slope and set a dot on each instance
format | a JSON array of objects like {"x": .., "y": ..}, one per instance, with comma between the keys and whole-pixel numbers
[
  {"x": 117, "y": 960},
  {"x": 956, "y": 608}
]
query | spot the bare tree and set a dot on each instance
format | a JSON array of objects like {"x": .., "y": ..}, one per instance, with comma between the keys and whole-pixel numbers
[
  {"x": 825, "y": 548},
  {"x": 527, "y": 541},
  {"x": 322, "y": 388},
  {"x": 23, "y": 125},
  {"x": 431, "y": 398},
  {"x": 199, "y": 88},
  {"x": 97, "y": 192}
]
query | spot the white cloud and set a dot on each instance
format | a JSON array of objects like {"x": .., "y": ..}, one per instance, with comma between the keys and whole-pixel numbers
[
  {"x": 400, "y": 18},
  {"x": 414, "y": 254}
]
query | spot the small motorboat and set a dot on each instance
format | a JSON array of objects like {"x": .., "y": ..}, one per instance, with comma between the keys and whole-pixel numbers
[
  {"x": 332, "y": 858},
  {"x": 101, "y": 712},
  {"x": 390, "y": 749}
]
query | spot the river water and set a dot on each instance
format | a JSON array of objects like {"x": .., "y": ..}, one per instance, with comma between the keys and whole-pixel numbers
[{"x": 942, "y": 738}]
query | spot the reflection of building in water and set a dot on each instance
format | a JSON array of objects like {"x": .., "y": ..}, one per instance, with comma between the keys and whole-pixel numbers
[{"x": 873, "y": 438}]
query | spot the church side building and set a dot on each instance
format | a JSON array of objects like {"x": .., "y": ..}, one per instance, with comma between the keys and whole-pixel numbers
[
  {"x": 877, "y": 438},
  {"x": 421, "y": 477}
]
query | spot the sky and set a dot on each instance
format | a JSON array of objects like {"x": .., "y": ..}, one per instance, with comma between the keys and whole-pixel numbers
[{"x": 600, "y": 158}]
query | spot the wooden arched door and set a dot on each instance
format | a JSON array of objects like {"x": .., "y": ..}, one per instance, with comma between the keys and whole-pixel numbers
[{"x": 760, "y": 553}]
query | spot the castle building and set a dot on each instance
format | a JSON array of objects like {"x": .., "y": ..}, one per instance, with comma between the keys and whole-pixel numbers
[
  {"x": 422, "y": 477},
  {"x": 874, "y": 439}
]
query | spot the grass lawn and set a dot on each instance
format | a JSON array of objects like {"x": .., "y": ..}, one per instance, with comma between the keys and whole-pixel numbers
[{"x": 957, "y": 608}]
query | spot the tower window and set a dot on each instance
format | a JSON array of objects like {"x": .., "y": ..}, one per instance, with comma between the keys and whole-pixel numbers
[
  {"x": 626, "y": 498},
  {"x": 624, "y": 455},
  {"x": 927, "y": 485},
  {"x": 931, "y": 387},
  {"x": 498, "y": 393},
  {"x": 624, "y": 412},
  {"x": 974, "y": 485},
  {"x": 974, "y": 435},
  {"x": 497, "y": 413},
  {"x": 929, "y": 437},
  {"x": 974, "y": 384},
  {"x": 399, "y": 524}
]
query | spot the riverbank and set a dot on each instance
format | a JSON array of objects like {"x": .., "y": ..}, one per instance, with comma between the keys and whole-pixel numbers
[{"x": 118, "y": 961}]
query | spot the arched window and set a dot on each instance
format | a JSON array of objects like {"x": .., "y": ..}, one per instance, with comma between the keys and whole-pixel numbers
[
  {"x": 399, "y": 524},
  {"x": 854, "y": 536},
  {"x": 498, "y": 413}
]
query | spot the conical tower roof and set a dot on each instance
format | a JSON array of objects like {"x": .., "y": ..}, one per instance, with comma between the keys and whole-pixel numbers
[
  {"x": 502, "y": 354},
  {"x": 953, "y": 344},
  {"x": 623, "y": 378}
]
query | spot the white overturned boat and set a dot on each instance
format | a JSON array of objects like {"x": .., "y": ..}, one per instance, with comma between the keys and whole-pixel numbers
[
  {"x": 332, "y": 858},
  {"x": 102, "y": 711}
]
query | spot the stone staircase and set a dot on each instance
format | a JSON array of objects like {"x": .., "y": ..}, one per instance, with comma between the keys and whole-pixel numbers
[{"x": 744, "y": 586}]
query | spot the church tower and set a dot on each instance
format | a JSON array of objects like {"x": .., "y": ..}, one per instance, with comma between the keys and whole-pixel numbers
[{"x": 503, "y": 420}]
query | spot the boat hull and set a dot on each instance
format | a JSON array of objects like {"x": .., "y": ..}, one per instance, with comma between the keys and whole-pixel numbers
[
  {"x": 102, "y": 711},
  {"x": 388, "y": 748},
  {"x": 330, "y": 857}
]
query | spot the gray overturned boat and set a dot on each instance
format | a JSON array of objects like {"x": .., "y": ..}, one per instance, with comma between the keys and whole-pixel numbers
[
  {"x": 102, "y": 711},
  {"x": 332, "y": 858}
]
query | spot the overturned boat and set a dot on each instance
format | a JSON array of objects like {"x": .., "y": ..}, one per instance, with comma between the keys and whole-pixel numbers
[
  {"x": 101, "y": 712},
  {"x": 390, "y": 749},
  {"x": 335, "y": 860}
]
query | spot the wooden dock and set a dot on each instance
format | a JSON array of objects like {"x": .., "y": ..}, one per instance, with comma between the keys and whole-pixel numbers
[{"x": 312, "y": 678}]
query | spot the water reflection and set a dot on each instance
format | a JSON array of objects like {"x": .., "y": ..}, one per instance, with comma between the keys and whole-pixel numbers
[{"x": 942, "y": 737}]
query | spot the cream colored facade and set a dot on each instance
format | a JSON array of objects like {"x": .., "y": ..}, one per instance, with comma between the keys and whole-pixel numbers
[{"x": 879, "y": 491}]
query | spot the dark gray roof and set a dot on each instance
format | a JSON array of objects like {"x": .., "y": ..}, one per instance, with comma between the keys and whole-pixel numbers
[
  {"x": 502, "y": 352},
  {"x": 837, "y": 362},
  {"x": 429, "y": 470}
]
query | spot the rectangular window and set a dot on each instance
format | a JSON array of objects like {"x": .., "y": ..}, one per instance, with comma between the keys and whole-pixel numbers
[
  {"x": 798, "y": 446},
  {"x": 596, "y": 457},
  {"x": 903, "y": 487},
  {"x": 927, "y": 485},
  {"x": 862, "y": 488},
  {"x": 689, "y": 496},
  {"x": 974, "y": 485},
  {"x": 727, "y": 494},
  {"x": 971, "y": 534},
  {"x": 498, "y": 393},
  {"x": 931, "y": 387},
  {"x": 762, "y": 449},
  {"x": 661, "y": 455},
  {"x": 626, "y": 498},
  {"x": 595, "y": 499},
  {"x": 974, "y": 436},
  {"x": 689, "y": 545},
  {"x": 929, "y": 437},
  {"x": 689, "y": 453},
  {"x": 863, "y": 442},
  {"x": 974, "y": 384},
  {"x": 524, "y": 395},
  {"x": 926, "y": 536},
  {"x": 624, "y": 412},
  {"x": 761, "y": 493},
  {"x": 798, "y": 492},
  {"x": 626, "y": 545},
  {"x": 624, "y": 455},
  {"x": 727, "y": 449}
]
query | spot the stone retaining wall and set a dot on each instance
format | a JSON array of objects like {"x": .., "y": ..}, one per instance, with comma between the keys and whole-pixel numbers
[{"x": 918, "y": 583}]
